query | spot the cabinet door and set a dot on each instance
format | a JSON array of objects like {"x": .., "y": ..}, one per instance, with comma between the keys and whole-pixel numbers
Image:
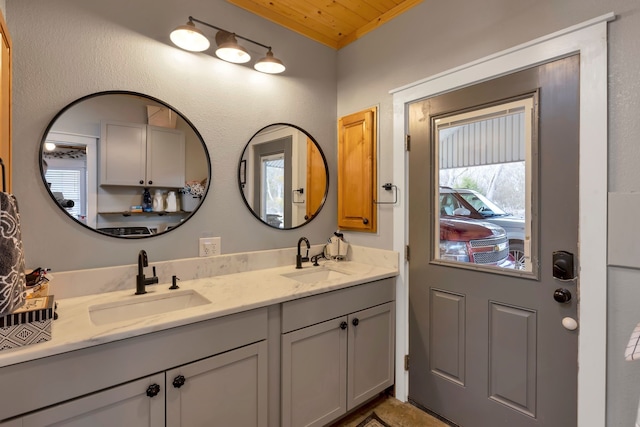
[
  {"x": 125, "y": 405},
  {"x": 165, "y": 157},
  {"x": 5, "y": 103},
  {"x": 123, "y": 153},
  {"x": 357, "y": 171},
  {"x": 229, "y": 389},
  {"x": 314, "y": 369},
  {"x": 371, "y": 353}
]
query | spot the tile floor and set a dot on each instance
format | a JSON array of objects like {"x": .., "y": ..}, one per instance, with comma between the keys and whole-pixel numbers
[{"x": 393, "y": 412}]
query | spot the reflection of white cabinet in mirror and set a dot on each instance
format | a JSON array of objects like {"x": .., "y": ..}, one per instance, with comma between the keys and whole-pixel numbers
[{"x": 141, "y": 155}]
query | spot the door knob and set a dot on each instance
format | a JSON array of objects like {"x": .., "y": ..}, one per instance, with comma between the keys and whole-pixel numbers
[{"x": 562, "y": 295}]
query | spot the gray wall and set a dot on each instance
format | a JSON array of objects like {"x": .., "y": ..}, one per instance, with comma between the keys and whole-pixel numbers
[
  {"x": 437, "y": 36},
  {"x": 66, "y": 49}
]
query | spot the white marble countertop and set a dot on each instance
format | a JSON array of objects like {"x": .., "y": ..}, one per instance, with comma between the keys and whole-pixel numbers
[{"x": 229, "y": 294}]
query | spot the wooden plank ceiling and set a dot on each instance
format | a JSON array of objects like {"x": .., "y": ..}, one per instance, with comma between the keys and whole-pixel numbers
[{"x": 335, "y": 23}]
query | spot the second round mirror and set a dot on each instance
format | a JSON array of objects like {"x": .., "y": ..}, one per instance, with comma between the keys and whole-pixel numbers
[{"x": 283, "y": 176}]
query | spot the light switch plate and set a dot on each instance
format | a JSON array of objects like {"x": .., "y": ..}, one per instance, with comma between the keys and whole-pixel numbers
[{"x": 209, "y": 246}]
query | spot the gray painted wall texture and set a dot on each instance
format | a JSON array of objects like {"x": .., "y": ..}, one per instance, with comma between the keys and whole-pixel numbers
[
  {"x": 436, "y": 36},
  {"x": 82, "y": 47}
]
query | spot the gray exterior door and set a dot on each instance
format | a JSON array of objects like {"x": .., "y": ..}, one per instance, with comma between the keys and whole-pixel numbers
[{"x": 487, "y": 345}]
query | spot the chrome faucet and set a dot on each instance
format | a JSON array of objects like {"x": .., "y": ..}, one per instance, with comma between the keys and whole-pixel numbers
[
  {"x": 141, "y": 281},
  {"x": 299, "y": 257}
]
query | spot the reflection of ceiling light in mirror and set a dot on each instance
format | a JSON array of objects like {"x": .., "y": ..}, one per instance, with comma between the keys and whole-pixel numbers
[
  {"x": 49, "y": 146},
  {"x": 188, "y": 37},
  {"x": 269, "y": 64}
]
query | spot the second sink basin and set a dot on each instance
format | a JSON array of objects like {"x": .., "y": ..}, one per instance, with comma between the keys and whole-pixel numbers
[
  {"x": 145, "y": 305},
  {"x": 315, "y": 274}
]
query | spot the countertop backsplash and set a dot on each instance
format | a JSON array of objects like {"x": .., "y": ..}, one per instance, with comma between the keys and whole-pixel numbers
[{"x": 70, "y": 284}]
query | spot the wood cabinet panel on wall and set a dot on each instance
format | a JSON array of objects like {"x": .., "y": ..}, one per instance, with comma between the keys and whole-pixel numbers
[
  {"x": 357, "y": 171},
  {"x": 5, "y": 103}
]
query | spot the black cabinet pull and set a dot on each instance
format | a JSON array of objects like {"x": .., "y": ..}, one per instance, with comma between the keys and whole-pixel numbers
[
  {"x": 355, "y": 322},
  {"x": 141, "y": 182},
  {"x": 343, "y": 325},
  {"x": 150, "y": 182},
  {"x": 153, "y": 390},
  {"x": 179, "y": 381},
  {"x": 365, "y": 221}
]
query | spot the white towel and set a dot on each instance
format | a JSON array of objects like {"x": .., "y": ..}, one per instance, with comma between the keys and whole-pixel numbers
[{"x": 12, "y": 276}]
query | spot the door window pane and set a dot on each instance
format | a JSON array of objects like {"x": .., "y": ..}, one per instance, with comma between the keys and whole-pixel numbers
[{"x": 484, "y": 187}]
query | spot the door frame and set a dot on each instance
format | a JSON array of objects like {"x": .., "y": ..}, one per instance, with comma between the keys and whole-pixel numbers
[{"x": 589, "y": 39}]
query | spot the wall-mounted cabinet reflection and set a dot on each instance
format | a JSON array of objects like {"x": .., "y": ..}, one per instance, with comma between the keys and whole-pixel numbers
[
  {"x": 101, "y": 151},
  {"x": 141, "y": 155}
]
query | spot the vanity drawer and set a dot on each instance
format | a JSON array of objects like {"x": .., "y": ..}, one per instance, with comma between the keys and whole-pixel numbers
[
  {"x": 80, "y": 372},
  {"x": 307, "y": 311}
]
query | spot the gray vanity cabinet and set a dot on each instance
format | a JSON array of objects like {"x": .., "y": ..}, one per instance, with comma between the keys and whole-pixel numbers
[
  {"x": 125, "y": 405},
  {"x": 223, "y": 361},
  {"x": 134, "y": 154},
  {"x": 337, "y": 352},
  {"x": 229, "y": 389}
]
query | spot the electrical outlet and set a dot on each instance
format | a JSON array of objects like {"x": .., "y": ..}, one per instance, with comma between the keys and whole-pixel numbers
[{"x": 209, "y": 246}]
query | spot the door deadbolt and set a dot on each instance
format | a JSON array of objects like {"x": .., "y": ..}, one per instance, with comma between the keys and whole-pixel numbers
[{"x": 563, "y": 265}]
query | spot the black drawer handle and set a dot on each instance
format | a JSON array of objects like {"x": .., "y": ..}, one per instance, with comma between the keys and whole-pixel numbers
[
  {"x": 355, "y": 322},
  {"x": 179, "y": 381},
  {"x": 153, "y": 390},
  {"x": 343, "y": 325}
]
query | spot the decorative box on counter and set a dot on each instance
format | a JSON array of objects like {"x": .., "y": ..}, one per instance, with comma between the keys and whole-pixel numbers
[{"x": 30, "y": 324}]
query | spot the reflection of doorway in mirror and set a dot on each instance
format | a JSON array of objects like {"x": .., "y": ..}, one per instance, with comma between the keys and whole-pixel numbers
[
  {"x": 72, "y": 171},
  {"x": 272, "y": 189}
]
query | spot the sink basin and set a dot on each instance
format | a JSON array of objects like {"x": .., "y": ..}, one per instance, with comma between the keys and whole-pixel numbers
[
  {"x": 141, "y": 306},
  {"x": 315, "y": 274}
]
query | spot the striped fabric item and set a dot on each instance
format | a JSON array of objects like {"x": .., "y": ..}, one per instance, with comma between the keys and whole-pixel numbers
[{"x": 12, "y": 276}]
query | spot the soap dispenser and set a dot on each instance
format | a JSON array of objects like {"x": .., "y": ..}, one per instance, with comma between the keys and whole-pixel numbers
[
  {"x": 147, "y": 204},
  {"x": 172, "y": 203},
  {"x": 158, "y": 201}
]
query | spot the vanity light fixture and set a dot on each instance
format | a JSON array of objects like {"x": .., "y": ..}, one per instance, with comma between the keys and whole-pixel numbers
[
  {"x": 190, "y": 38},
  {"x": 49, "y": 146}
]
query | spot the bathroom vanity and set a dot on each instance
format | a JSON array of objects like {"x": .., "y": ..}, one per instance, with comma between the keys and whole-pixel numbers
[{"x": 267, "y": 347}]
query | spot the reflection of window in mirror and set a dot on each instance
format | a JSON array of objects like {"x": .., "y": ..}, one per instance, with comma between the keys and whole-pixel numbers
[
  {"x": 70, "y": 173},
  {"x": 272, "y": 189},
  {"x": 484, "y": 162}
]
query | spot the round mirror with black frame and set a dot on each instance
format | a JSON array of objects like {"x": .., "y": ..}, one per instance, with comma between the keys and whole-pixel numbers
[
  {"x": 283, "y": 176},
  {"x": 125, "y": 164}
]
